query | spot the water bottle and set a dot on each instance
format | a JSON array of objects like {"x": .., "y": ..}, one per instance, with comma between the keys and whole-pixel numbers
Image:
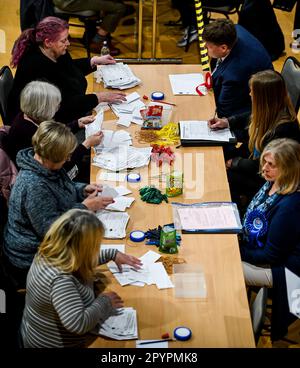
[{"x": 104, "y": 49}]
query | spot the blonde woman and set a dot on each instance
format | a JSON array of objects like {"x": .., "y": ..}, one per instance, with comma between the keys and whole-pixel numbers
[
  {"x": 273, "y": 116},
  {"x": 271, "y": 239},
  {"x": 42, "y": 192},
  {"x": 60, "y": 293}
]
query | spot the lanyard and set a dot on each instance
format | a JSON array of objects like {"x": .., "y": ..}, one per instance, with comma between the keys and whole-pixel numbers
[{"x": 204, "y": 87}]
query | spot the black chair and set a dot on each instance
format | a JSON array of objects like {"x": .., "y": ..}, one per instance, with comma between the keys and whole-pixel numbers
[
  {"x": 291, "y": 75},
  {"x": 6, "y": 82},
  {"x": 225, "y": 10},
  {"x": 88, "y": 19},
  {"x": 258, "y": 312}
]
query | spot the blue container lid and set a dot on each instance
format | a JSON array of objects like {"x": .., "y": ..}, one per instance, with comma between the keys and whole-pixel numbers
[
  {"x": 137, "y": 236},
  {"x": 182, "y": 333},
  {"x": 157, "y": 96},
  {"x": 133, "y": 177}
]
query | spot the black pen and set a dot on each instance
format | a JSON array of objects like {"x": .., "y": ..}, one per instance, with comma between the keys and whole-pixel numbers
[{"x": 154, "y": 341}]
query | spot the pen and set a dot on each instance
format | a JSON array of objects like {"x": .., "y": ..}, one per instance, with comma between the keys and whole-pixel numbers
[
  {"x": 154, "y": 341},
  {"x": 164, "y": 102}
]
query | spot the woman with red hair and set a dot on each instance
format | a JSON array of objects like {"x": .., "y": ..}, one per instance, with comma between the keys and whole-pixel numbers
[{"x": 41, "y": 54}]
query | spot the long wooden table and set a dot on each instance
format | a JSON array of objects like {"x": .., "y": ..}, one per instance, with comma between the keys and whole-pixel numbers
[{"x": 222, "y": 319}]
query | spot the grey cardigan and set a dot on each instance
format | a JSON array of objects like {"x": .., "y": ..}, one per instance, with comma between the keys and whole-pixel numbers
[{"x": 38, "y": 198}]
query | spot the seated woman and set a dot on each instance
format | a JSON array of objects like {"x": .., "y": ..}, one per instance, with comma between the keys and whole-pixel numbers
[
  {"x": 41, "y": 54},
  {"x": 65, "y": 265},
  {"x": 42, "y": 192},
  {"x": 39, "y": 102},
  {"x": 273, "y": 116},
  {"x": 271, "y": 239}
]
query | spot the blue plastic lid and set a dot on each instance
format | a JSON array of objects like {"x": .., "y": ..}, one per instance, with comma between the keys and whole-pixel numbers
[
  {"x": 182, "y": 333},
  {"x": 133, "y": 177},
  {"x": 157, "y": 96},
  {"x": 137, "y": 236}
]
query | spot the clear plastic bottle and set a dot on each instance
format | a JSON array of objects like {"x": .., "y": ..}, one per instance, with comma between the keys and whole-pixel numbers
[{"x": 104, "y": 49}]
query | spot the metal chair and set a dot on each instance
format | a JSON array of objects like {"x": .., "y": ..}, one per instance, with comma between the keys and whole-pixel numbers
[
  {"x": 225, "y": 10},
  {"x": 86, "y": 17},
  {"x": 6, "y": 82},
  {"x": 291, "y": 75}
]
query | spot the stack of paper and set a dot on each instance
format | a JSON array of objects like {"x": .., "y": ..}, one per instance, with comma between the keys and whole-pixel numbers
[
  {"x": 129, "y": 110},
  {"x": 114, "y": 223},
  {"x": 117, "y": 193},
  {"x": 121, "y": 326},
  {"x": 112, "y": 176},
  {"x": 150, "y": 273},
  {"x": 95, "y": 126},
  {"x": 123, "y": 157},
  {"x": 185, "y": 84},
  {"x": 113, "y": 139},
  {"x": 117, "y": 75}
]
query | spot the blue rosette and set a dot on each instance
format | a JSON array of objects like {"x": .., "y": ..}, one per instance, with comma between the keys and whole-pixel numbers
[{"x": 256, "y": 225}]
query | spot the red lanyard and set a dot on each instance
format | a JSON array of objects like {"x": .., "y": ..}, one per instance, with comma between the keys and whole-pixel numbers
[{"x": 203, "y": 87}]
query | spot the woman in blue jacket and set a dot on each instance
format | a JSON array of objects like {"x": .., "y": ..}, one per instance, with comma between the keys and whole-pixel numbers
[{"x": 271, "y": 239}]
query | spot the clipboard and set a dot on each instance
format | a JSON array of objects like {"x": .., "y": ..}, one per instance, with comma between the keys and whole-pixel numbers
[
  {"x": 207, "y": 218},
  {"x": 204, "y": 136}
]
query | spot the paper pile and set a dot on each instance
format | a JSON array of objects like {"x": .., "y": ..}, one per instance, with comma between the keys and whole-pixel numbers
[
  {"x": 129, "y": 110},
  {"x": 150, "y": 273},
  {"x": 114, "y": 223},
  {"x": 113, "y": 139},
  {"x": 121, "y": 326},
  {"x": 117, "y": 75},
  {"x": 123, "y": 157}
]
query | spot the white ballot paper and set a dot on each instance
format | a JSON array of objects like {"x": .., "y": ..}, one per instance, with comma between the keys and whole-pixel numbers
[
  {"x": 185, "y": 84},
  {"x": 123, "y": 157},
  {"x": 114, "y": 223},
  {"x": 117, "y": 75},
  {"x": 95, "y": 126},
  {"x": 199, "y": 130},
  {"x": 120, "y": 326},
  {"x": 150, "y": 272},
  {"x": 207, "y": 217},
  {"x": 293, "y": 292}
]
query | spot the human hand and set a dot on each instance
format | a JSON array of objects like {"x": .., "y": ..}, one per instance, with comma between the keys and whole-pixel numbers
[
  {"x": 85, "y": 120},
  {"x": 115, "y": 299},
  {"x": 93, "y": 140},
  {"x": 91, "y": 189},
  {"x": 228, "y": 164},
  {"x": 95, "y": 203},
  {"x": 122, "y": 258},
  {"x": 217, "y": 123},
  {"x": 111, "y": 97},
  {"x": 102, "y": 60}
]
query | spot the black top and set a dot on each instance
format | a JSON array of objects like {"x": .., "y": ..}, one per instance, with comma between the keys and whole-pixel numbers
[
  {"x": 239, "y": 125},
  {"x": 67, "y": 74},
  {"x": 20, "y": 136}
]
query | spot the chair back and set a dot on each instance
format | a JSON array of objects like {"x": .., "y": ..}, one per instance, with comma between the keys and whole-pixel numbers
[
  {"x": 8, "y": 170},
  {"x": 6, "y": 82},
  {"x": 226, "y": 10},
  {"x": 258, "y": 312},
  {"x": 291, "y": 75}
]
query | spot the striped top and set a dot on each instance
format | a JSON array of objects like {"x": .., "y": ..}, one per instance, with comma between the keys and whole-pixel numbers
[{"x": 60, "y": 310}]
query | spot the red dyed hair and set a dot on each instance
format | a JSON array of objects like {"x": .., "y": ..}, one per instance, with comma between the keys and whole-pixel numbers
[{"x": 48, "y": 28}]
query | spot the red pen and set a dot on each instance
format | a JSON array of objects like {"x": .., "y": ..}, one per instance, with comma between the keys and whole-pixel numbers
[{"x": 164, "y": 102}]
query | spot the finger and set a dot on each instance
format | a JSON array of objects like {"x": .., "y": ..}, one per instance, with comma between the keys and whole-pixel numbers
[{"x": 93, "y": 194}]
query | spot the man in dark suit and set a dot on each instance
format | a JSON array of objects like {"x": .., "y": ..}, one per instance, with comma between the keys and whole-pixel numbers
[{"x": 239, "y": 55}]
